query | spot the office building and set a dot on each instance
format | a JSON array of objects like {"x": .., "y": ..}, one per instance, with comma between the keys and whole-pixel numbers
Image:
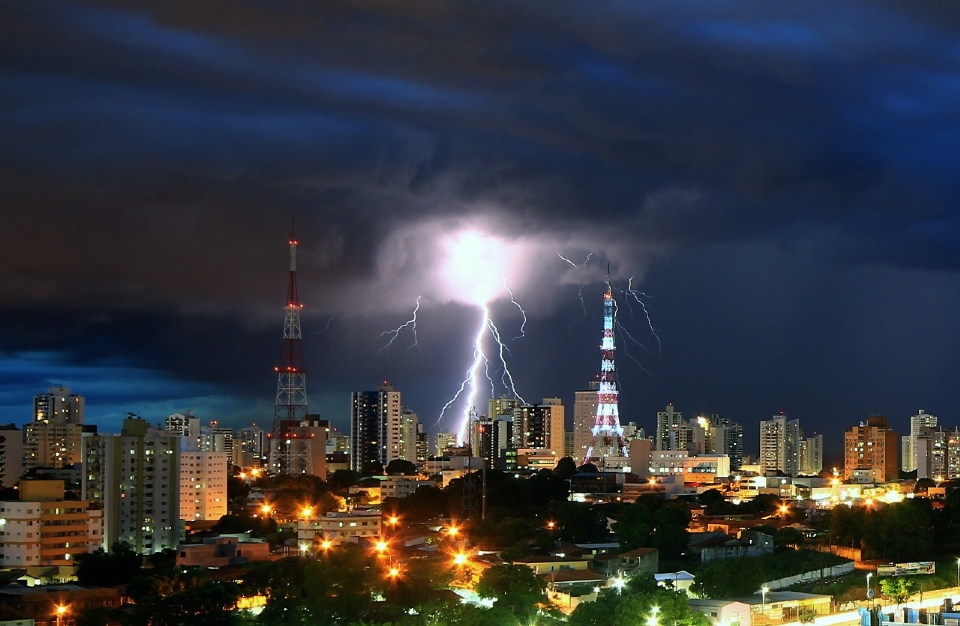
[
  {"x": 811, "y": 455},
  {"x": 203, "y": 484},
  {"x": 541, "y": 425}
]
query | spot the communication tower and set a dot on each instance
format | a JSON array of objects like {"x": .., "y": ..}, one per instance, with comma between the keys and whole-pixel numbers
[
  {"x": 607, "y": 432},
  {"x": 290, "y": 438}
]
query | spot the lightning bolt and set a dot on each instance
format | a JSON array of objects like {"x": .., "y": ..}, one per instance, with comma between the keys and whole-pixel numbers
[
  {"x": 523, "y": 325},
  {"x": 469, "y": 389},
  {"x": 636, "y": 296},
  {"x": 393, "y": 334},
  {"x": 583, "y": 306}
]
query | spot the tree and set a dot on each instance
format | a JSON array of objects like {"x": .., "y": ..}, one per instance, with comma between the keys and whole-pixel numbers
[
  {"x": 671, "y": 536},
  {"x": 633, "y": 526},
  {"x": 371, "y": 468},
  {"x": 106, "y": 569},
  {"x": 899, "y": 588},
  {"x": 565, "y": 469},
  {"x": 589, "y": 468},
  {"x": 401, "y": 467},
  {"x": 342, "y": 479},
  {"x": 788, "y": 537},
  {"x": 515, "y": 587}
]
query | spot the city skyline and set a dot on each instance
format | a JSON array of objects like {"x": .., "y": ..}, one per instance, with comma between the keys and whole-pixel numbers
[{"x": 782, "y": 191}]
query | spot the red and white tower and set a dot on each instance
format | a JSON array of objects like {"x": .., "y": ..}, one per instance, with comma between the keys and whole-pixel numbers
[
  {"x": 290, "y": 438},
  {"x": 607, "y": 433}
]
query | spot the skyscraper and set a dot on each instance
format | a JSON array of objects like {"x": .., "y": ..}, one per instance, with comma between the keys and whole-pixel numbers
[
  {"x": 374, "y": 427},
  {"x": 542, "y": 425},
  {"x": 252, "y": 447},
  {"x": 811, "y": 455}
]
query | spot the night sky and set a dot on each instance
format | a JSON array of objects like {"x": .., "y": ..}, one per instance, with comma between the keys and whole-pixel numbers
[{"x": 779, "y": 179}]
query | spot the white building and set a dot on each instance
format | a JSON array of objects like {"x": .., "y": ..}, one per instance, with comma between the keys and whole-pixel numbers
[
  {"x": 668, "y": 421},
  {"x": 11, "y": 455},
  {"x": 203, "y": 485},
  {"x": 909, "y": 453},
  {"x": 53, "y": 438},
  {"x": 253, "y": 450},
  {"x": 339, "y": 527},
  {"x": 780, "y": 445},
  {"x": 584, "y": 419},
  {"x": 44, "y": 529},
  {"x": 135, "y": 478}
]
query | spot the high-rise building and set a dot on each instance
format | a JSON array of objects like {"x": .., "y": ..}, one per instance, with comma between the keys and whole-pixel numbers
[
  {"x": 423, "y": 445},
  {"x": 727, "y": 438},
  {"x": 224, "y": 436},
  {"x": 668, "y": 421},
  {"x": 58, "y": 404},
  {"x": 584, "y": 418},
  {"x": 252, "y": 447},
  {"x": 374, "y": 427},
  {"x": 502, "y": 407},
  {"x": 918, "y": 422},
  {"x": 870, "y": 451},
  {"x": 491, "y": 438},
  {"x": 811, "y": 455},
  {"x": 11, "y": 455},
  {"x": 203, "y": 484},
  {"x": 542, "y": 425},
  {"x": 53, "y": 438},
  {"x": 319, "y": 433},
  {"x": 405, "y": 437},
  {"x": 186, "y": 424},
  {"x": 135, "y": 478},
  {"x": 41, "y": 528},
  {"x": 444, "y": 442},
  {"x": 780, "y": 445}
]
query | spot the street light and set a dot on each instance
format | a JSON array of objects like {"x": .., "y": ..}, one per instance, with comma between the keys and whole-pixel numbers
[
  {"x": 61, "y": 611},
  {"x": 652, "y": 620},
  {"x": 763, "y": 598},
  {"x": 868, "y": 584},
  {"x": 460, "y": 559}
]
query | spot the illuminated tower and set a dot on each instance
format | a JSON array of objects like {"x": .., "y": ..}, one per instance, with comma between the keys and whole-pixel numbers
[
  {"x": 607, "y": 433},
  {"x": 290, "y": 438}
]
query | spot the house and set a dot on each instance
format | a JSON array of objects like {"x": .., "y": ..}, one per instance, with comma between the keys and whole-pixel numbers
[
  {"x": 640, "y": 561},
  {"x": 723, "y": 611},
  {"x": 680, "y": 580}
]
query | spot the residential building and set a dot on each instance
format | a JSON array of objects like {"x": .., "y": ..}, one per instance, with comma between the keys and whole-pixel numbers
[
  {"x": 319, "y": 432},
  {"x": 444, "y": 441},
  {"x": 870, "y": 451},
  {"x": 668, "y": 421},
  {"x": 780, "y": 445},
  {"x": 53, "y": 437},
  {"x": 406, "y": 441},
  {"x": 339, "y": 527},
  {"x": 41, "y": 528},
  {"x": 217, "y": 552},
  {"x": 811, "y": 455},
  {"x": 11, "y": 455},
  {"x": 918, "y": 423},
  {"x": 584, "y": 419},
  {"x": 541, "y": 426},
  {"x": 253, "y": 449},
  {"x": 135, "y": 478},
  {"x": 374, "y": 427},
  {"x": 203, "y": 485}
]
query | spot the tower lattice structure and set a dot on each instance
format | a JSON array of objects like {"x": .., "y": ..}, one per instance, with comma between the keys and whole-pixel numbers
[
  {"x": 607, "y": 432},
  {"x": 290, "y": 438}
]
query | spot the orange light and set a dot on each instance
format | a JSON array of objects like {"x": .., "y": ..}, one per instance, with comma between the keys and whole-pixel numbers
[
  {"x": 452, "y": 531},
  {"x": 394, "y": 572},
  {"x": 381, "y": 546},
  {"x": 325, "y": 544},
  {"x": 460, "y": 559},
  {"x": 550, "y": 525},
  {"x": 265, "y": 509},
  {"x": 393, "y": 520},
  {"x": 307, "y": 511}
]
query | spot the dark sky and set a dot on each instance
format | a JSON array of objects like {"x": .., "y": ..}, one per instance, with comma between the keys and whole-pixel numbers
[{"x": 780, "y": 180}]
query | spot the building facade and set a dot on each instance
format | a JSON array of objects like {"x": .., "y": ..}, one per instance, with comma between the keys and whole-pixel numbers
[
  {"x": 374, "y": 427},
  {"x": 135, "y": 478},
  {"x": 780, "y": 445},
  {"x": 870, "y": 451}
]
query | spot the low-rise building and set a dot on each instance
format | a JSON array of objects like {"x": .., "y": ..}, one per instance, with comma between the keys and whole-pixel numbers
[
  {"x": 339, "y": 527},
  {"x": 216, "y": 552}
]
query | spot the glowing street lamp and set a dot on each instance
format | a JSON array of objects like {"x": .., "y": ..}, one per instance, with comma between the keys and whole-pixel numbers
[
  {"x": 393, "y": 572},
  {"x": 868, "y": 583},
  {"x": 652, "y": 620},
  {"x": 619, "y": 583},
  {"x": 61, "y": 611},
  {"x": 265, "y": 509},
  {"x": 326, "y": 544},
  {"x": 306, "y": 512},
  {"x": 381, "y": 546},
  {"x": 460, "y": 559},
  {"x": 453, "y": 531},
  {"x": 763, "y": 597}
]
